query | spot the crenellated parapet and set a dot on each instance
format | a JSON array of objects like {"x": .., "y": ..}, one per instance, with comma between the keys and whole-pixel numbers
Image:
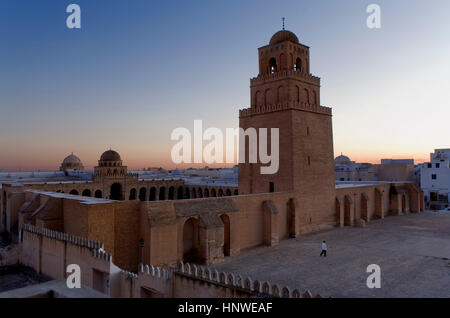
[
  {"x": 64, "y": 237},
  {"x": 154, "y": 271},
  {"x": 255, "y": 288},
  {"x": 263, "y": 109},
  {"x": 308, "y": 78}
]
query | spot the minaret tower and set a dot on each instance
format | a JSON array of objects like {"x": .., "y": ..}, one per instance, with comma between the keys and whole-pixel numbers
[{"x": 286, "y": 96}]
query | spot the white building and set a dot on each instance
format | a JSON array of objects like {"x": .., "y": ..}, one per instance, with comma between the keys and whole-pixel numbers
[{"x": 435, "y": 179}]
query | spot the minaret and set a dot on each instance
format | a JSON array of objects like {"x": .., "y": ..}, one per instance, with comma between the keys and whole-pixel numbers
[{"x": 286, "y": 96}]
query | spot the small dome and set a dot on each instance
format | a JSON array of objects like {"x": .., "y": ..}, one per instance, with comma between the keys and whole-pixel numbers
[
  {"x": 282, "y": 36},
  {"x": 72, "y": 159},
  {"x": 342, "y": 159},
  {"x": 110, "y": 155}
]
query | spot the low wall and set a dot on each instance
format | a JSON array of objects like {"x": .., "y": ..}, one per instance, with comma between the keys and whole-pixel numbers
[
  {"x": 50, "y": 252},
  {"x": 192, "y": 281}
]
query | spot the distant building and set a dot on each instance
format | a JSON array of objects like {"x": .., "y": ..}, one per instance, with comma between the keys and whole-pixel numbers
[
  {"x": 347, "y": 170},
  {"x": 435, "y": 179},
  {"x": 388, "y": 170}
]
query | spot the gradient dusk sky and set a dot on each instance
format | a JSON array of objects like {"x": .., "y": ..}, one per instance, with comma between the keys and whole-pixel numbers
[{"x": 138, "y": 69}]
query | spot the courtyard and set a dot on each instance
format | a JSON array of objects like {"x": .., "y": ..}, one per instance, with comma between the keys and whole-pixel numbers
[{"x": 412, "y": 250}]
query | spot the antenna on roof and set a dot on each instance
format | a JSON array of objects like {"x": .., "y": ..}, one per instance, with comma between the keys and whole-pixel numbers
[{"x": 284, "y": 19}]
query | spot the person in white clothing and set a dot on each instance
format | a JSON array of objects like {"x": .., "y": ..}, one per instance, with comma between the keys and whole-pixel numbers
[{"x": 324, "y": 249}]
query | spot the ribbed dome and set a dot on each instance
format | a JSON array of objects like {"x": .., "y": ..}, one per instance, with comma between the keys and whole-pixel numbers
[
  {"x": 110, "y": 155},
  {"x": 342, "y": 159},
  {"x": 282, "y": 36},
  {"x": 72, "y": 159}
]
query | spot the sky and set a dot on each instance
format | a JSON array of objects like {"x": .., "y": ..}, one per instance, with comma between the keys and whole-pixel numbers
[{"x": 136, "y": 70}]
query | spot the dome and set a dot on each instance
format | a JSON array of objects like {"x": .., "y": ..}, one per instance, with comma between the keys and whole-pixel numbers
[
  {"x": 282, "y": 36},
  {"x": 72, "y": 159},
  {"x": 342, "y": 159},
  {"x": 110, "y": 155}
]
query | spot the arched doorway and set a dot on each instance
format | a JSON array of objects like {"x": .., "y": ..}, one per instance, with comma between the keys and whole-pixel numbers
[
  {"x": 191, "y": 241},
  {"x": 187, "y": 193},
  {"x": 200, "y": 193},
  {"x": 220, "y": 193},
  {"x": 116, "y": 192},
  {"x": 213, "y": 193},
  {"x": 98, "y": 194},
  {"x": 226, "y": 234},
  {"x": 142, "y": 194},
  {"x": 228, "y": 193},
  {"x": 152, "y": 194},
  {"x": 171, "y": 193},
  {"x": 73, "y": 192},
  {"x": 132, "y": 194},
  {"x": 180, "y": 193},
  {"x": 162, "y": 193},
  {"x": 86, "y": 193},
  {"x": 206, "y": 193}
]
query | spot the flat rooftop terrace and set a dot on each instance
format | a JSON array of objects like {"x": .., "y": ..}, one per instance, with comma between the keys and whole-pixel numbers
[{"x": 412, "y": 250}]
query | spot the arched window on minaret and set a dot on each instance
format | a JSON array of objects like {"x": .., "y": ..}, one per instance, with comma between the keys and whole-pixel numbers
[
  {"x": 273, "y": 68},
  {"x": 298, "y": 65},
  {"x": 307, "y": 96}
]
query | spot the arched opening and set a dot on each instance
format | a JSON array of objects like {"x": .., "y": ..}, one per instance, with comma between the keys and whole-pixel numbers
[
  {"x": 132, "y": 194},
  {"x": 273, "y": 68},
  {"x": 280, "y": 94},
  {"x": 306, "y": 96},
  {"x": 191, "y": 241},
  {"x": 348, "y": 211},
  {"x": 379, "y": 204},
  {"x": 298, "y": 65},
  {"x": 180, "y": 193},
  {"x": 228, "y": 193},
  {"x": 187, "y": 193},
  {"x": 403, "y": 203},
  {"x": 171, "y": 193},
  {"x": 152, "y": 196},
  {"x": 73, "y": 192},
  {"x": 98, "y": 194},
  {"x": 226, "y": 234},
  {"x": 213, "y": 193},
  {"x": 194, "y": 193},
  {"x": 142, "y": 194},
  {"x": 200, "y": 193},
  {"x": 86, "y": 193},
  {"x": 206, "y": 193},
  {"x": 162, "y": 193},
  {"x": 116, "y": 192},
  {"x": 259, "y": 99},
  {"x": 236, "y": 192},
  {"x": 220, "y": 193}
]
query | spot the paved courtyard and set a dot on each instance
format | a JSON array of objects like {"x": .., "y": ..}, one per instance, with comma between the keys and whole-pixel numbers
[{"x": 413, "y": 252}]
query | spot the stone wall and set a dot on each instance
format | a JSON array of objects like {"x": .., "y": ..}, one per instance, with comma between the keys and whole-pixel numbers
[
  {"x": 50, "y": 252},
  {"x": 192, "y": 281}
]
